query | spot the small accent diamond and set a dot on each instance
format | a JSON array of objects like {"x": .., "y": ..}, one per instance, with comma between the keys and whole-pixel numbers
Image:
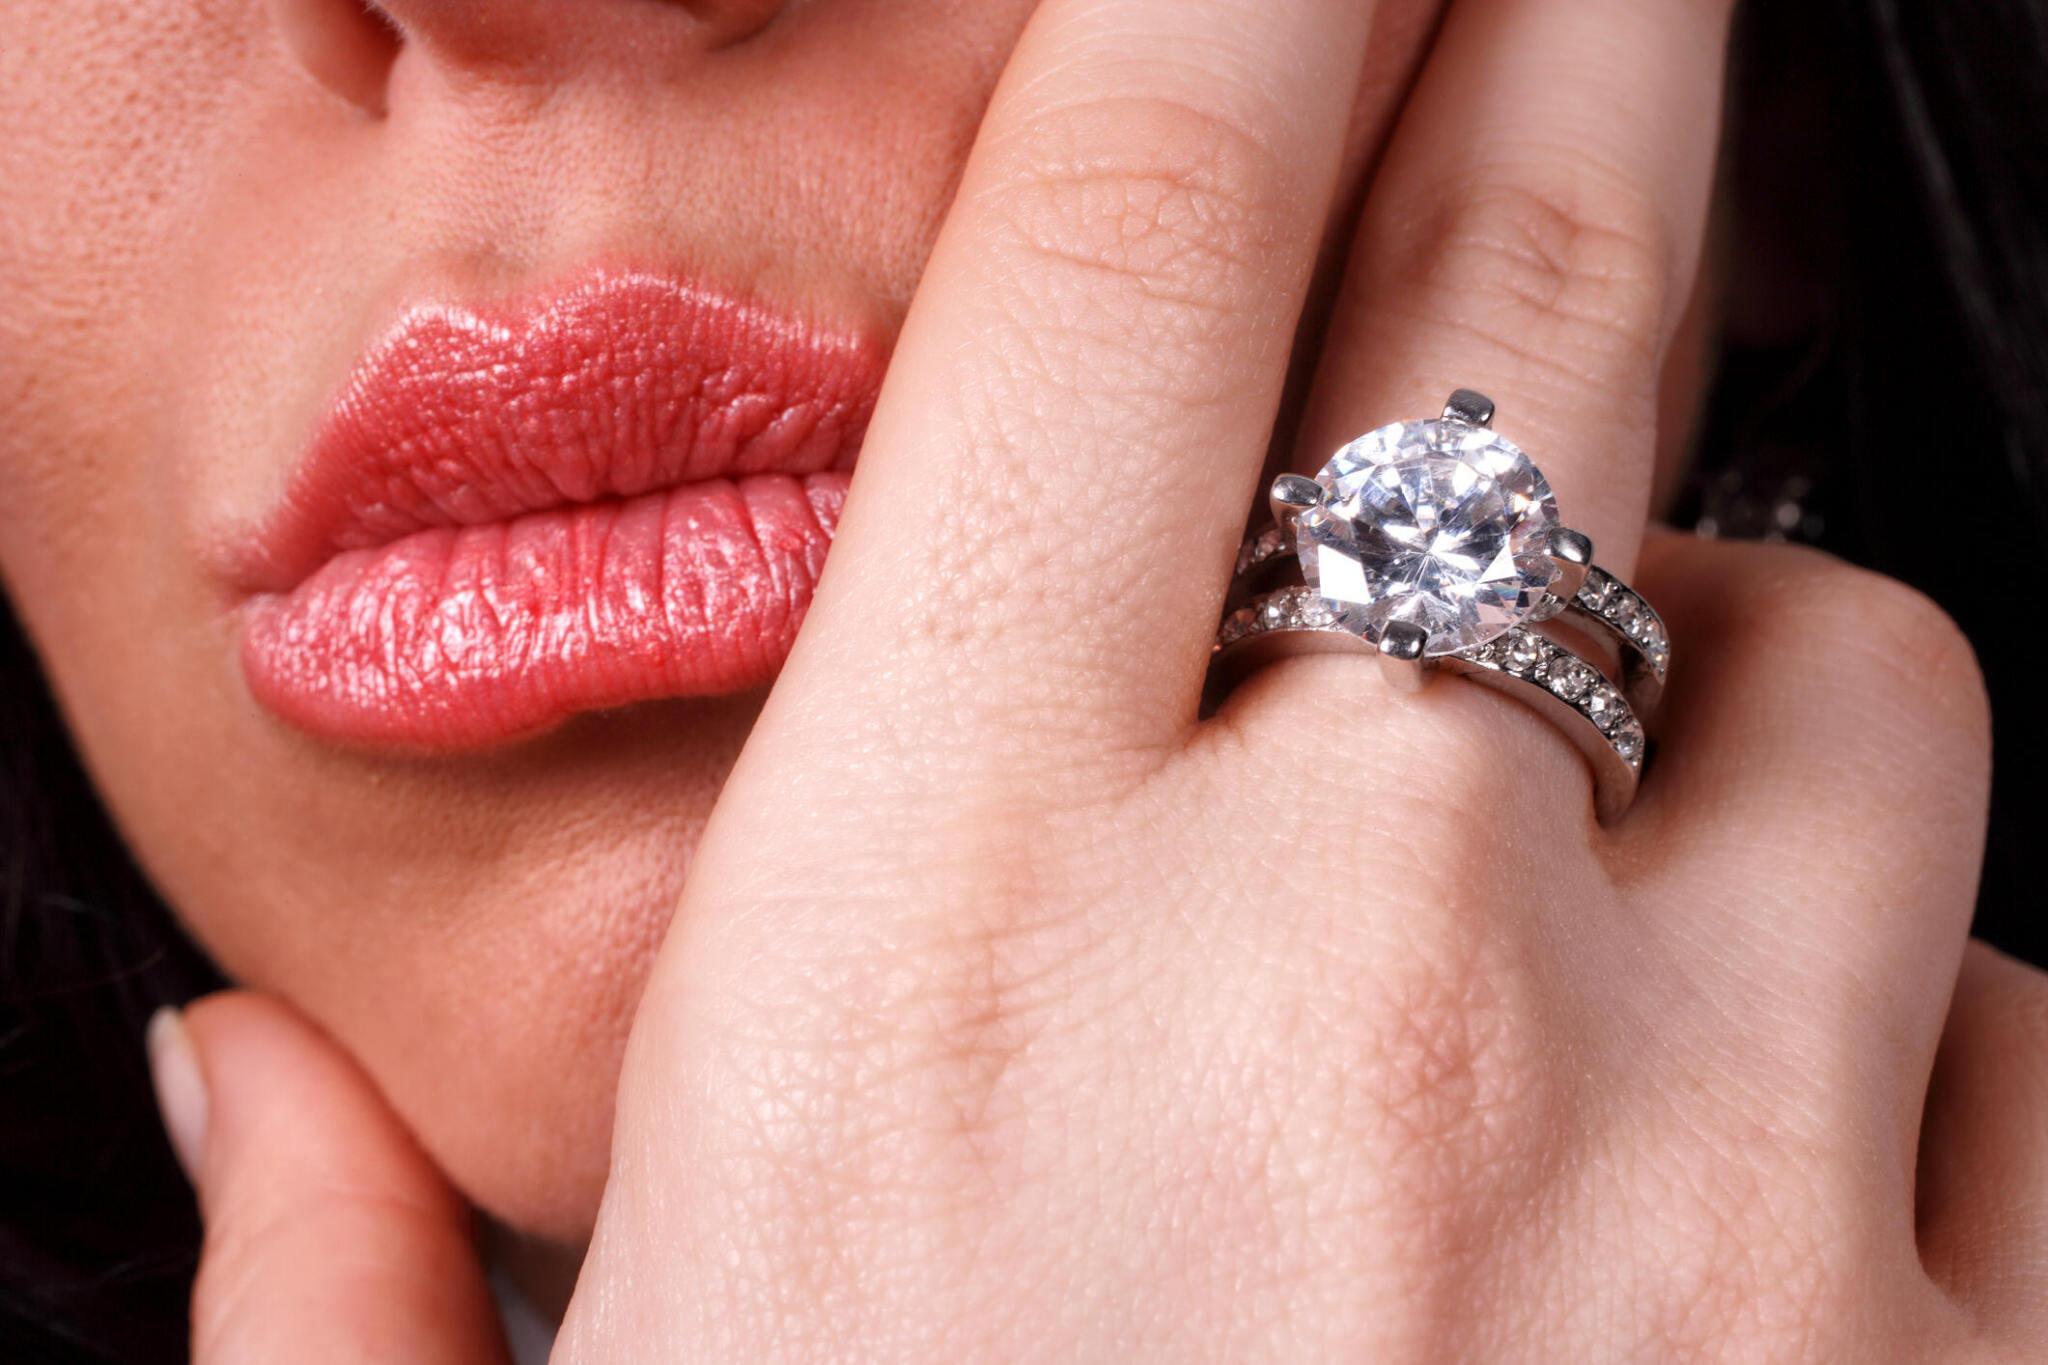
[
  {"x": 1316, "y": 613},
  {"x": 1597, "y": 587},
  {"x": 1624, "y": 611},
  {"x": 1570, "y": 678},
  {"x": 1605, "y": 706},
  {"x": 1524, "y": 653},
  {"x": 1628, "y": 741},
  {"x": 1266, "y": 546}
]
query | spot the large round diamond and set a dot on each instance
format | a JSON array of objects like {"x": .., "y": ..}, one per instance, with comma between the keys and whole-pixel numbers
[{"x": 1440, "y": 524}]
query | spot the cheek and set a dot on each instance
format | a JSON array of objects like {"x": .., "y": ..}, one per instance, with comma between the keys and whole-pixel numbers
[
  {"x": 108, "y": 111},
  {"x": 112, "y": 116}
]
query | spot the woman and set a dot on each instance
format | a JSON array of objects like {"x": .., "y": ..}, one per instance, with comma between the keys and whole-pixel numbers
[{"x": 424, "y": 433}]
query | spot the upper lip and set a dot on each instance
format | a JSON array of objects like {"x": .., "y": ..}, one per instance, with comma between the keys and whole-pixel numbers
[{"x": 618, "y": 385}]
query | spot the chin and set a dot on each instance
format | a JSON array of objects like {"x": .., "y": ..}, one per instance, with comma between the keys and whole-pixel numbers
[{"x": 476, "y": 933}]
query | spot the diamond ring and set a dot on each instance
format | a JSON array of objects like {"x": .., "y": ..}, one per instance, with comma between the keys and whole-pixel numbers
[{"x": 1437, "y": 545}]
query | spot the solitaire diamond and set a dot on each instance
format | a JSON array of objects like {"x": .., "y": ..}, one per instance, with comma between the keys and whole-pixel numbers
[
  {"x": 1441, "y": 524},
  {"x": 1436, "y": 546}
]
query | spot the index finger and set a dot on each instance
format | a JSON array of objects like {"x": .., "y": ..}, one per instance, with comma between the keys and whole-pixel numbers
[{"x": 1052, "y": 487}]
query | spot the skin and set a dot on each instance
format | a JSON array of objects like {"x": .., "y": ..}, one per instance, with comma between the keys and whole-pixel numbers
[
  {"x": 181, "y": 180},
  {"x": 1053, "y": 1034}
]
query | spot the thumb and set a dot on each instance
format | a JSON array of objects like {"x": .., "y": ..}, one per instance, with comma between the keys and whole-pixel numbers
[{"x": 330, "y": 1238}]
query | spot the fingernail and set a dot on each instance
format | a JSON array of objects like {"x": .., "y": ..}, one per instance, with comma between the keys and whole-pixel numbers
[{"x": 180, "y": 1087}]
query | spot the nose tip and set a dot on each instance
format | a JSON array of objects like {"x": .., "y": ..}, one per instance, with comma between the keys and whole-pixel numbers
[{"x": 526, "y": 32}]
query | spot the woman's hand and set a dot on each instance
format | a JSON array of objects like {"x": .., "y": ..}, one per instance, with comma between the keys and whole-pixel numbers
[{"x": 1014, "y": 1013}]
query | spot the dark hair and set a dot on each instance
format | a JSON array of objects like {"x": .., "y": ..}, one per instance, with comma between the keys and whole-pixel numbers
[
  {"x": 98, "y": 1233},
  {"x": 1890, "y": 174},
  {"x": 1888, "y": 319}
]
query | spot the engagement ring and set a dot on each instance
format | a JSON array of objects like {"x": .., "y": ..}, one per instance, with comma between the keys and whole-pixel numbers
[{"x": 1437, "y": 546}]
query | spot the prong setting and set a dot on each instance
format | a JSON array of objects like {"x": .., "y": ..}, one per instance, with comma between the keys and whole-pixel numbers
[
  {"x": 1401, "y": 662},
  {"x": 1470, "y": 407},
  {"x": 1291, "y": 495},
  {"x": 1572, "y": 552}
]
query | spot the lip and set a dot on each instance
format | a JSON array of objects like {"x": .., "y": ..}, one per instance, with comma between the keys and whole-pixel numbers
[{"x": 617, "y": 492}]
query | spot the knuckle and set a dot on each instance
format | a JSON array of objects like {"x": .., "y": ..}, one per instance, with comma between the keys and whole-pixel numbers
[
  {"x": 1134, "y": 200},
  {"x": 1426, "y": 1064},
  {"x": 2008, "y": 1026},
  {"x": 1385, "y": 1053},
  {"x": 1761, "y": 1260},
  {"x": 2024, "y": 1009},
  {"x": 883, "y": 1099},
  {"x": 1930, "y": 648},
  {"x": 1569, "y": 270},
  {"x": 1401, "y": 1051},
  {"x": 1447, "y": 1040},
  {"x": 899, "y": 1049},
  {"x": 1904, "y": 651}
]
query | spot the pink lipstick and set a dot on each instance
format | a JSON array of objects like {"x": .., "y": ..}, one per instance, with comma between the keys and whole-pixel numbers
[{"x": 620, "y": 492}]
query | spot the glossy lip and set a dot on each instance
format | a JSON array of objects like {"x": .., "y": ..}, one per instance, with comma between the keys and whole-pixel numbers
[{"x": 618, "y": 492}]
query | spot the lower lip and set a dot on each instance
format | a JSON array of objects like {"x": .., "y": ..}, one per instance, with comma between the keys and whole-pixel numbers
[{"x": 458, "y": 638}]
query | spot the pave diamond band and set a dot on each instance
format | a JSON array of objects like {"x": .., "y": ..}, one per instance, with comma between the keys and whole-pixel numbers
[
  {"x": 1437, "y": 545},
  {"x": 1634, "y": 627}
]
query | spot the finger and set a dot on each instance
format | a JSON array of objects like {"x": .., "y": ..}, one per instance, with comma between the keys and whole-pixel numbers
[
  {"x": 1534, "y": 235},
  {"x": 329, "y": 1236},
  {"x": 1051, "y": 489},
  {"x": 1983, "y": 1189},
  {"x": 1827, "y": 728}
]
